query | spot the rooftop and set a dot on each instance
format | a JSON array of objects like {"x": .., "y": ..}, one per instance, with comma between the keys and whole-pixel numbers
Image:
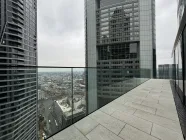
[{"x": 147, "y": 112}]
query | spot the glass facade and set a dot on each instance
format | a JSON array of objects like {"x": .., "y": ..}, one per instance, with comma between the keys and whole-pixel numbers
[
  {"x": 179, "y": 54},
  {"x": 18, "y": 80},
  {"x": 120, "y": 34},
  {"x": 147, "y": 35},
  {"x": 166, "y": 71},
  {"x": 180, "y": 11},
  {"x": 180, "y": 72}
]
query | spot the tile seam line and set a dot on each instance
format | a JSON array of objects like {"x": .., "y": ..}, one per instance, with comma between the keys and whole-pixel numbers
[
  {"x": 122, "y": 129},
  {"x": 157, "y": 115},
  {"x": 135, "y": 126},
  {"x": 167, "y": 118},
  {"x": 144, "y": 111},
  {"x": 90, "y": 130},
  {"x": 169, "y": 129},
  {"x": 131, "y": 114},
  {"x": 111, "y": 117},
  {"x": 144, "y": 132},
  {"x": 142, "y": 105},
  {"x": 112, "y": 132},
  {"x": 160, "y": 125},
  {"x": 79, "y": 131}
]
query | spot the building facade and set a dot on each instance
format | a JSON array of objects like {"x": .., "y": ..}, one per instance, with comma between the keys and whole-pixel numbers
[
  {"x": 179, "y": 52},
  {"x": 18, "y": 74},
  {"x": 166, "y": 71},
  {"x": 120, "y": 42}
]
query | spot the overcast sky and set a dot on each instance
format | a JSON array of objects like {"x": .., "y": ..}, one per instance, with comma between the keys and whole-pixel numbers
[{"x": 61, "y": 32}]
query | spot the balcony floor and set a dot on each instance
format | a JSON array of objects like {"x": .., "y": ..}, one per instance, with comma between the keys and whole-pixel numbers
[{"x": 147, "y": 112}]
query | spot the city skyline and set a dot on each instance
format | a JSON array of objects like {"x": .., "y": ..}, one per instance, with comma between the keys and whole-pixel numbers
[{"x": 70, "y": 34}]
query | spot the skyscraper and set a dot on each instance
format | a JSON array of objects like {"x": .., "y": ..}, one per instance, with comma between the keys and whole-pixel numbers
[
  {"x": 18, "y": 81},
  {"x": 120, "y": 35}
]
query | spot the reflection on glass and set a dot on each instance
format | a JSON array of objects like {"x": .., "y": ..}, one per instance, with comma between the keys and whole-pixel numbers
[
  {"x": 65, "y": 96},
  {"x": 54, "y": 100},
  {"x": 79, "y": 94},
  {"x": 184, "y": 57},
  {"x": 180, "y": 69}
]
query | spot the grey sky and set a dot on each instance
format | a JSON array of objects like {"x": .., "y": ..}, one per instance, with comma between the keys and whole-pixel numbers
[{"x": 61, "y": 32}]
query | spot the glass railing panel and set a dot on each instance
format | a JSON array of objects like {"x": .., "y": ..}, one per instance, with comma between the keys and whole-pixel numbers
[
  {"x": 66, "y": 95},
  {"x": 54, "y": 100},
  {"x": 79, "y": 104}
]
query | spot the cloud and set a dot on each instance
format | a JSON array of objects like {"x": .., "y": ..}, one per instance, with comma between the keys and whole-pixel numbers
[{"x": 61, "y": 32}]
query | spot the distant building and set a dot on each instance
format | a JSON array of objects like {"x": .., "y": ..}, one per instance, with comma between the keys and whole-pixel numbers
[{"x": 166, "y": 71}]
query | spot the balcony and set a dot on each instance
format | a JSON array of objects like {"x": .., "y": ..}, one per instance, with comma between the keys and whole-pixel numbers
[
  {"x": 147, "y": 112},
  {"x": 133, "y": 108}
]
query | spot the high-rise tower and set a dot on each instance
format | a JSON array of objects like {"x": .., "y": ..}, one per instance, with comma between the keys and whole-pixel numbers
[
  {"x": 120, "y": 35},
  {"x": 18, "y": 75}
]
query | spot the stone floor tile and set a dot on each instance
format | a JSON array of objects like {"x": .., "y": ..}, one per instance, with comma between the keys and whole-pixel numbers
[
  {"x": 167, "y": 103},
  {"x": 124, "y": 100},
  {"x": 166, "y": 97},
  {"x": 131, "y": 116},
  {"x": 141, "y": 107},
  {"x": 101, "y": 133},
  {"x": 107, "y": 121},
  {"x": 167, "y": 123},
  {"x": 153, "y": 96},
  {"x": 86, "y": 125},
  {"x": 110, "y": 108},
  {"x": 138, "y": 94},
  {"x": 160, "y": 106},
  {"x": 165, "y": 134},
  {"x": 131, "y": 133},
  {"x": 70, "y": 133},
  {"x": 148, "y": 99},
  {"x": 134, "y": 121},
  {"x": 167, "y": 114}
]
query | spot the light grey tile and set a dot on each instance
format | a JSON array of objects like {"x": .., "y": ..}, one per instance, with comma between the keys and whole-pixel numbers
[
  {"x": 71, "y": 133},
  {"x": 132, "y": 120},
  {"x": 153, "y": 96},
  {"x": 141, "y": 107},
  {"x": 138, "y": 94},
  {"x": 86, "y": 125},
  {"x": 165, "y": 134},
  {"x": 167, "y": 114},
  {"x": 160, "y": 106},
  {"x": 124, "y": 99},
  {"x": 167, "y": 123},
  {"x": 167, "y": 103},
  {"x": 147, "y": 99},
  {"x": 131, "y": 133},
  {"x": 107, "y": 121},
  {"x": 110, "y": 108},
  {"x": 101, "y": 133}
]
